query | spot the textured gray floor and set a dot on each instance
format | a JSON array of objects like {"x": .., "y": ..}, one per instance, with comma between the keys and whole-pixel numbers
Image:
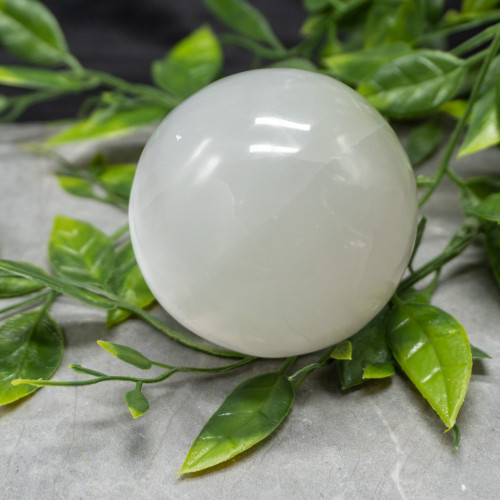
[{"x": 379, "y": 441}]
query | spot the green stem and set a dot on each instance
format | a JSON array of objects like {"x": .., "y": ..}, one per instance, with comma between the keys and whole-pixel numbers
[
  {"x": 26, "y": 303},
  {"x": 309, "y": 369},
  {"x": 287, "y": 364},
  {"x": 148, "y": 91},
  {"x": 119, "y": 232},
  {"x": 171, "y": 370},
  {"x": 475, "y": 41},
  {"x": 455, "y": 137}
]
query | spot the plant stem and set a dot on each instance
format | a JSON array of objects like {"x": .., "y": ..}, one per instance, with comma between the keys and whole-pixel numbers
[
  {"x": 171, "y": 370},
  {"x": 459, "y": 127},
  {"x": 287, "y": 364},
  {"x": 309, "y": 369},
  {"x": 26, "y": 303},
  {"x": 119, "y": 232}
]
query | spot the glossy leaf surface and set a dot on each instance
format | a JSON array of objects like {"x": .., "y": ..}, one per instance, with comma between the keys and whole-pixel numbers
[
  {"x": 378, "y": 370},
  {"x": 392, "y": 21},
  {"x": 483, "y": 130},
  {"x": 191, "y": 65},
  {"x": 13, "y": 286},
  {"x": 353, "y": 67},
  {"x": 249, "y": 414},
  {"x": 414, "y": 84},
  {"x": 60, "y": 285},
  {"x": 31, "y": 347},
  {"x": 368, "y": 348},
  {"x": 343, "y": 350},
  {"x": 127, "y": 354},
  {"x": 423, "y": 141},
  {"x": 137, "y": 403},
  {"x": 30, "y": 31},
  {"x": 488, "y": 209},
  {"x": 118, "y": 178},
  {"x": 80, "y": 251},
  {"x": 105, "y": 125},
  {"x": 76, "y": 186},
  {"x": 242, "y": 17},
  {"x": 433, "y": 350},
  {"x": 128, "y": 283}
]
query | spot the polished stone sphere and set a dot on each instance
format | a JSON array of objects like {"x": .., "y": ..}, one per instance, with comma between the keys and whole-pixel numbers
[{"x": 273, "y": 212}]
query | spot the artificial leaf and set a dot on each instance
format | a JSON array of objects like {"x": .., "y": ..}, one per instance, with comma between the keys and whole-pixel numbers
[
  {"x": 80, "y": 251},
  {"x": 433, "y": 350},
  {"x": 248, "y": 415},
  {"x": 478, "y": 353},
  {"x": 488, "y": 209},
  {"x": 423, "y": 141},
  {"x": 128, "y": 283},
  {"x": 127, "y": 354},
  {"x": 478, "y": 5},
  {"x": 455, "y": 108},
  {"x": 118, "y": 178},
  {"x": 83, "y": 292},
  {"x": 353, "y": 67},
  {"x": 36, "y": 78},
  {"x": 378, "y": 370},
  {"x": 13, "y": 286},
  {"x": 315, "y": 5},
  {"x": 392, "y": 21},
  {"x": 243, "y": 18},
  {"x": 191, "y": 65},
  {"x": 482, "y": 187},
  {"x": 483, "y": 130},
  {"x": 415, "y": 83},
  {"x": 343, "y": 350},
  {"x": 76, "y": 186},
  {"x": 137, "y": 403},
  {"x": 103, "y": 124},
  {"x": 368, "y": 348},
  {"x": 30, "y": 31},
  {"x": 493, "y": 249},
  {"x": 422, "y": 295},
  {"x": 434, "y": 10},
  {"x": 31, "y": 347}
]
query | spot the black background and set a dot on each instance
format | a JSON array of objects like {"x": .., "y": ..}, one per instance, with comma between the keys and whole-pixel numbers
[{"x": 124, "y": 37}]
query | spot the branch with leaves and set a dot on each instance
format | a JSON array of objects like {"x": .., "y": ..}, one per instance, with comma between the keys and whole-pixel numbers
[{"x": 394, "y": 54}]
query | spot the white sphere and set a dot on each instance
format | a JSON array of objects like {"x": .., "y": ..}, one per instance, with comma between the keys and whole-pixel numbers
[{"x": 273, "y": 212}]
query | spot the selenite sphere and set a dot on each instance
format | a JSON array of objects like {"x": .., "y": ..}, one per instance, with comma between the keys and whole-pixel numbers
[{"x": 273, "y": 212}]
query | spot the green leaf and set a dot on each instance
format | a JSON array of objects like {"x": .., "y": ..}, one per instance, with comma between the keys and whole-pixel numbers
[
  {"x": 422, "y": 295},
  {"x": 296, "y": 63},
  {"x": 423, "y": 141},
  {"x": 30, "y": 31},
  {"x": 118, "y": 178},
  {"x": 455, "y": 108},
  {"x": 243, "y": 18},
  {"x": 433, "y": 350},
  {"x": 13, "y": 286},
  {"x": 493, "y": 250},
  {"x": 342, "y": 350},
  {"x": 80, "y": 251},
  {"x": 137, "y": 403},
  {"x": 368, "y": 348},
  {"x": 249, "y": 414},
  {"x": 434, "y": 10},
  {"x": 478, "y": 5},
  {"x": 478, "y": 353},
  {"x": 488, "y": 209},
  {"x": 191, "y": 65},
  {"x": 127, "y": 282},
  {"x": 482, "y": 187},
  {"x": 36, "y": 78},
  {"x": 31, "y": 347},
  {"x": 392, "y": 21},
  {"x": 414, "y": 84},
  {"x": 483, "y": 130},
  {"x": 103, "y": 125},
  {"x": 76, "y": 186},
  {"x": 353, "y": 67},
  {"x": 126, "y": 354},
  {"x": 315, "y": 5},
  {"x": 378, "y": 370},
  {"x": 85, "y": 294}
]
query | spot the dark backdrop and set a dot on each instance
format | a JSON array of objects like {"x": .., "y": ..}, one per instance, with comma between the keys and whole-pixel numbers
[{"x": 123, "y": 37}]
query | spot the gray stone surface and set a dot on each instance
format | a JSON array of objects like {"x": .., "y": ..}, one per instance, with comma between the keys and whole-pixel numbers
[{"x": 379, "y": 441}]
